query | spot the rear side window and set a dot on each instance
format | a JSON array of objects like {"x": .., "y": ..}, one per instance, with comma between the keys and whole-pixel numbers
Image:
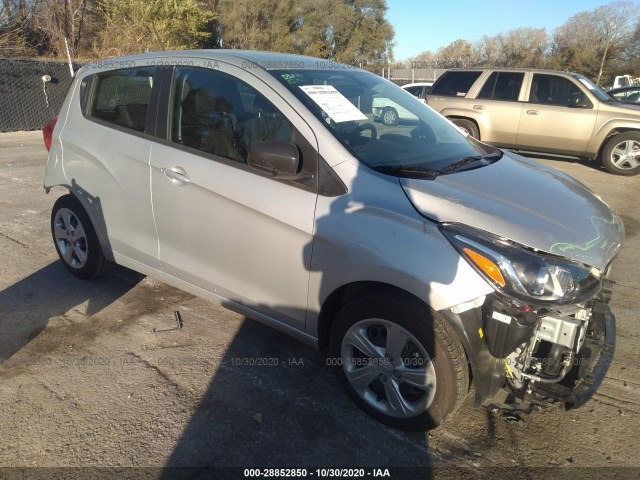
[
  {"x": 454, "y": 83},
  {"x": 122, "y": 97},
  {"x": 502, "y": 86},
  {"x": 219, "y": 114}
]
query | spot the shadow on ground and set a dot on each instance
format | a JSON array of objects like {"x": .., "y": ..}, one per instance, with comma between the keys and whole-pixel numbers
[{"x": 27, "y": 306}]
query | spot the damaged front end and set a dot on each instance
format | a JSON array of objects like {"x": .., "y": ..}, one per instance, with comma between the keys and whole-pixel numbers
[
  {"x": 547, "y": 356},
  {"x": 546, "y": 335}
]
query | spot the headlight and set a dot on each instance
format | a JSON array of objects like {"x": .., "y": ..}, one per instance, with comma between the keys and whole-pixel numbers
[{"x": 518, "y": 271}]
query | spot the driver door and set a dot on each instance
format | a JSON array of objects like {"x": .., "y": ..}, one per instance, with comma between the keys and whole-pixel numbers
[{"x": 223, "y": 226}]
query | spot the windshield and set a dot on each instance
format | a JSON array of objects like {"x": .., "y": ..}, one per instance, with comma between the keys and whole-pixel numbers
[
  {"x": 597, "y": 91},
  {"x": 382, "y": 125}
]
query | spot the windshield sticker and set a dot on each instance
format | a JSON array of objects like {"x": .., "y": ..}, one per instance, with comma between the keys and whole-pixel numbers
[
  {"x": 586, "y": 83},
  {"x": 335, "y": 105}
]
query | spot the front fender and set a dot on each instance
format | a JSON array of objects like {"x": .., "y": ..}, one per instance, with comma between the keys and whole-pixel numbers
[{"x": 609, "y": 128}]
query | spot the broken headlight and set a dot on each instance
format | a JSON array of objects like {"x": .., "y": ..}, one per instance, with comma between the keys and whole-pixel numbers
[{"x": 520, "y": 272}]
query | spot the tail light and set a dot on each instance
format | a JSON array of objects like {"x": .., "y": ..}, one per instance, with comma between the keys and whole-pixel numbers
[{"x": 47, "y": 132}]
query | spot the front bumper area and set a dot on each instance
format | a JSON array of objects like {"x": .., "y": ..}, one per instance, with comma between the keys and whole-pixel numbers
[
  {"x": 593, "y": 361},
  {"x": 490, "y": 376}
]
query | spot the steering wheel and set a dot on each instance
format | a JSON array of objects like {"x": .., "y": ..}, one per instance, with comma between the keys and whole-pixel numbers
[{"x": 357, "y": 132}]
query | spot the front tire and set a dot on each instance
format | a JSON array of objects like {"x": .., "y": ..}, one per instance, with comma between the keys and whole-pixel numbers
[
  {"x": 75, "y": 239},
  {"x": 621, "y": 154},
  {"x": 399, "y": 362}
]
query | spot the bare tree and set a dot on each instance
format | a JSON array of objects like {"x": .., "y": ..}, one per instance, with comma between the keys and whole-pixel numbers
[{"x": 615, "y": 23}]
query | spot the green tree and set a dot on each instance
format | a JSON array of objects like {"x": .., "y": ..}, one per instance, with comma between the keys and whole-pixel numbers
[
  {"x": 133, "y": 26},
  {"x": 258, "y": 24}
]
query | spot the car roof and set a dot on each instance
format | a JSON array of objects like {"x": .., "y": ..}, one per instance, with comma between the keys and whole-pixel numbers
[
  {"x": 265, "y": 60},
  {"x": 535, "y": 70}
]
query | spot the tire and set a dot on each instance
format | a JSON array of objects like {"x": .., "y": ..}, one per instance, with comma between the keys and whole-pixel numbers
[
  {"x": 621, "y": 154},
  {"x": 390, "y": 117},
  {"x": 432, "y": 356},
  {"x": 468, "y": 126},
  {"x": 75, "y": 239}
]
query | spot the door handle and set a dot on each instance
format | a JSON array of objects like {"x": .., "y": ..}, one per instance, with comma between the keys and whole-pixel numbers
[
  {"x": 177, "y": 175},
  {"x": 478, "y": 107},
  {"x": 533, "y": 112}
]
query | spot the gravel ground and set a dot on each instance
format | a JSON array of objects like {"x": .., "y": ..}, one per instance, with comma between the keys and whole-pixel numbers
[{"x": 86, "y": 382}]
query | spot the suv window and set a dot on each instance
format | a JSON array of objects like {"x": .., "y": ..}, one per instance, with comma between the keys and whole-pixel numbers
[
  {"x": 122, "y": 97},
  {"x": 502, "y": 86},
  {"x": 415, "y": 91},
  {"x": 454, "y": 83},
  {"x": 553, "y": 90},
  {"x": 216, "y": 113}
]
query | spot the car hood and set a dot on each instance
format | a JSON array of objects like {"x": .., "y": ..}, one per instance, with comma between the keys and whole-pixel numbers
[{"x": 526, "y": 202}]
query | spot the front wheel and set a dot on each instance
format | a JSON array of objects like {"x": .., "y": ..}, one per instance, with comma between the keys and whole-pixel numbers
[
  {"x": 621, "y": 154},
  {"x": 403, "y": 365},
  {"x": 76, "y": 240}
]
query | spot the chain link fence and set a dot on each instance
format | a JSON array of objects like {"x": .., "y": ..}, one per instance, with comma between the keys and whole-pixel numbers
[{"x": 31, "y": 92}]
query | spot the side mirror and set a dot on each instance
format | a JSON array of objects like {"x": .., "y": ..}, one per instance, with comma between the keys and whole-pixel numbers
[
  {"x": 278, "y": 158},
  {"x": 580, "y": 101}
]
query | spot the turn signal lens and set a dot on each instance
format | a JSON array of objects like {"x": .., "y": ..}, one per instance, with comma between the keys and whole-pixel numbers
[{"x": 487, "y": 266}]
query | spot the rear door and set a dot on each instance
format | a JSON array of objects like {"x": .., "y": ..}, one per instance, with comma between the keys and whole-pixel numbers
[
  {"x": 500, "y": 100},
  {"x": 223, "y": 226},
  {"x": 107, "y": 142},
  {"x": 558, "y": 117}
]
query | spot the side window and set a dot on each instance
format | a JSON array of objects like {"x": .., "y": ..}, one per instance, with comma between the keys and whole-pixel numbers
[
  {"x": 553, "y": 90},
  {"x": 415, "y": 91},
  {"x": 454, "y": 83},
  {"x": 216, "y": 113},
  {"x": 122, "y": 97},
  {"x": 502, "y": 86}
]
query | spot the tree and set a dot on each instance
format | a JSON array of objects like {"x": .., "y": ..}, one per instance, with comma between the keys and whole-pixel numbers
[
  {"x": 458, "y": 53},
  {"x": 589, "y": 40},
  {"x": 522, "y": 47},
  {"x": 350, "y": 31},
  {"x": 614, "y": 23},
  {"x": 258, "y": 24},
  {"x": 133, "y": 26}
]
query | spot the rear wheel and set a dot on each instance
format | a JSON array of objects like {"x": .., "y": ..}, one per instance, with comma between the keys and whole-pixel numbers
[
  {"x": 621, "y": 154},
  {"x": 390, "y": 117},
  {"x": 467, "y": 126},
  {"x": 76, "y": 240},
  {"x": 402, "y": 364}
]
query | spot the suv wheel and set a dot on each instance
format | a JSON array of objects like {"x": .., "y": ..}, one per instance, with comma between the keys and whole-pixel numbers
[
  {"x": 621, "y": 154},
  {"x": 402, "y": 365},
  {"x": 390, "y": 117},
  {"x": 76, "y": 240},
  {"x": 467, "y": 126}
]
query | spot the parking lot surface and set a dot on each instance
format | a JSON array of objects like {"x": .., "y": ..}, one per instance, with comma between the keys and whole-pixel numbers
[{"x": 94, "y": 373}]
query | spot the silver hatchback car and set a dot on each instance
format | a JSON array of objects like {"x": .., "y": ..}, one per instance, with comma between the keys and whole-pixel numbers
[{"x": 415, "y": 255}]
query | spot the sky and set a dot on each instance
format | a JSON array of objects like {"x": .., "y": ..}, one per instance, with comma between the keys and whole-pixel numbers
[{"x": 428, "y": 25}]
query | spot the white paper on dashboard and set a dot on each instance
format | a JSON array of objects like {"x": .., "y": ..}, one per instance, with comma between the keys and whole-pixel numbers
[{"x": 336, "y": 105}]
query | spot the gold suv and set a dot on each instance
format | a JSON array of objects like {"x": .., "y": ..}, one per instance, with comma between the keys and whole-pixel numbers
[{"x": 541, "y": 111}]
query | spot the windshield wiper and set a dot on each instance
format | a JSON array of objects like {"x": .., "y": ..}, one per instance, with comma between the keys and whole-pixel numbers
[
  {"x": 460, "y": 164},
  {"x": 407, "y": 171}
]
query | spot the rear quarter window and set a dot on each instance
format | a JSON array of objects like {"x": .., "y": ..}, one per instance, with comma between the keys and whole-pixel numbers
[
  {"x": 122, "y": 97},
  {"x": 454, "y": 83}
]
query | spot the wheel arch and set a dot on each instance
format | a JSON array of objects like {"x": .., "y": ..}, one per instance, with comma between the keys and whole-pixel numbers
[
  {"x": 98, "y": 226},
  {"x": 470, "y": 119},
  {"x": 611, "y": 133}
]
